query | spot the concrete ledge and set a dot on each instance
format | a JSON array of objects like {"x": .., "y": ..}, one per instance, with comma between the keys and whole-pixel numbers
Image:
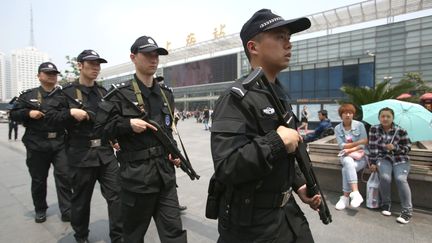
[{"x": 323, "y": 154}]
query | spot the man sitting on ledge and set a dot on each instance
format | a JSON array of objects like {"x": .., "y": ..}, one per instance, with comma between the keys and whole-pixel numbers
[{"x": 321, "y": 130}]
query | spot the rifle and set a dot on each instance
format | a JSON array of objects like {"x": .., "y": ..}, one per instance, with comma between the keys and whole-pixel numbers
[
  {"x": 29, "y": 104},
  {"x": 163, "y": 138},
  {"x": 78, "y": 103},
  {"x": 301, "y": 155}
]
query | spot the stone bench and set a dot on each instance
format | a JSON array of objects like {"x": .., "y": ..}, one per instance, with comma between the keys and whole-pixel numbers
[{"x": 323, "y": 154}]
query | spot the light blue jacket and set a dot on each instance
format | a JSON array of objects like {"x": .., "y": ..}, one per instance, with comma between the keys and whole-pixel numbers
[{"x": 358, "y": 131}]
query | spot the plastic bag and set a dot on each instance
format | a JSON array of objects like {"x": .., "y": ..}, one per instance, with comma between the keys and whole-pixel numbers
[{"x": 372, "y": 191}]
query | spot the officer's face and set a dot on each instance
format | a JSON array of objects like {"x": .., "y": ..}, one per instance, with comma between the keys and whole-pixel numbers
[
  {"x": 146, "y": 62},
  {"x": 89, "y": 69},
  {"x": 47, "y": 78},
  {"x": 273, "y": 49}
]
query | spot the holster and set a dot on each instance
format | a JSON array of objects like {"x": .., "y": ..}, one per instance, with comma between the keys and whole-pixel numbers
[{"x": 215, "y": 191}]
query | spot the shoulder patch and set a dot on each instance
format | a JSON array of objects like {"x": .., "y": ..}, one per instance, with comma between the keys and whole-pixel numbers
[{"x": 238, "y": 90}]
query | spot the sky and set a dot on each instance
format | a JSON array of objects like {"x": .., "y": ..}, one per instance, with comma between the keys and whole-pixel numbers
[{"x": 66, "y": 27}]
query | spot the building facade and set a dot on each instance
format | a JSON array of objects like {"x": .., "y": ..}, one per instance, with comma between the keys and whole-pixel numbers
[
  {"x": 24, "y": 68},
  {"x": 319, "y": 66},
  {"x": 2, "y": 76}
]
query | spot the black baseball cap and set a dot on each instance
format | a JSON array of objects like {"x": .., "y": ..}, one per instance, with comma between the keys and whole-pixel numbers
[
  {"x": 90, "y": 55},
  {"x": 147, "y": 44},
  {"x": 264, "y": 20},
  {"x": 48, "y": 67}
]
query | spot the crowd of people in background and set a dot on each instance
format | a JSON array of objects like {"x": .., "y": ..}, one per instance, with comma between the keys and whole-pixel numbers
[{"x": 201, "y": 115}]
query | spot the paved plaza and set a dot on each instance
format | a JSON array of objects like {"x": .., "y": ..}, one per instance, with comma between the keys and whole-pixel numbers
[{"x": 17, "y": 217}]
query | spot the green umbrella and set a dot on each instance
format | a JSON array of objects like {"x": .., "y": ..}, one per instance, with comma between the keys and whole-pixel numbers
[{"x": 414, "y": 118}]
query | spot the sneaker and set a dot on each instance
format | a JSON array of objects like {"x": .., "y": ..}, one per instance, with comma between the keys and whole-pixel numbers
[
  {"x": 385, "y": 210},
  {"x": 404, "y": 218},
  {"x": 356, "y": 199},
  {"x": 342, "y": 203},
  {"x": 40, "y": 217},
  {"x": 182, "y": 208}
]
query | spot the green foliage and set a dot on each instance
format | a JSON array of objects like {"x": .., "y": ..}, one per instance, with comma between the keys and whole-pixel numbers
[
  {"x": 71, "y": 73},
  {"x": 410, "y": 83}
]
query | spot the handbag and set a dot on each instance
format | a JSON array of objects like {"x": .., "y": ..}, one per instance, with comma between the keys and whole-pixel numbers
[
  {"x": 357, "y": 155},
  {"x": 372, "y": 191}
]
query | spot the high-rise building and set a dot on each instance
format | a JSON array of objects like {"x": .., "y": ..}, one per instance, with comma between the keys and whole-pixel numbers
[
  {"x": 24, "y": 65},
  {"x": 2, "y": 76}
]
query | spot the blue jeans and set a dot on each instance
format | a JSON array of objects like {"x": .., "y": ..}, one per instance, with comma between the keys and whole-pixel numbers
[
  {"x": 400, "y": 172},
  {"x": 350, "y": 167}
]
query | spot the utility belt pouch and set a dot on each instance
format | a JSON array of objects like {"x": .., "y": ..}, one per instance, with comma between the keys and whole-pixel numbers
[
  {"x": 215, "y": 191},
  {"x": 246, "y": 207}
]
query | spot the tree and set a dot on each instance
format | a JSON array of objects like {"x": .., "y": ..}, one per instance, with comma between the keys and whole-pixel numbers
[
  {"x": 71, "y": 73},
  {"x": 359, "y": 96}
]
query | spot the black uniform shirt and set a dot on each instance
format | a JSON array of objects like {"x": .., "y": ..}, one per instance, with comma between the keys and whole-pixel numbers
[
  {"x": 37, "y": 130},
  {"x": 140, "y": 175},
  {"x": 80, "y": 134}
]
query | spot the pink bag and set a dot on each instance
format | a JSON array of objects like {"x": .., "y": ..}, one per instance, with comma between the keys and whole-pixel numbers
[{"x": 357, "y": 155}]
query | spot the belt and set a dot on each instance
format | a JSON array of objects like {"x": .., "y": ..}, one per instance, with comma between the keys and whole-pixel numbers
[
  {"x": 93, "y": 143},
  {"x": 49, "y": 135},
  {"x": 145, "y": 154},
  {"x": 267, "y": 200}
]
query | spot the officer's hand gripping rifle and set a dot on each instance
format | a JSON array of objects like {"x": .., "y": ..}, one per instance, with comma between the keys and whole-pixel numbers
[
  {"x": 163, "y": 138},
  {"x": 302, "y": 157},
  {"x": 78, "y": 103}
]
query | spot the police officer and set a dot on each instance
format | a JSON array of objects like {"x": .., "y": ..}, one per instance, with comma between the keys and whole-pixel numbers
[
  {"x": 147, "y": 173},
  {"x": 252, "y": 153},
  {"x": 91, "y": 158},
  {"x": 44, "y": 143}
]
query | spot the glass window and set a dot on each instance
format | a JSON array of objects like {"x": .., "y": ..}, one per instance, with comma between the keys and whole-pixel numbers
[
  {"x": 313, "y": 111},
  {"x": 322, "y": 82},
  {"x": 295, "y": 84},
  {"x": 308, "y": 83},
  {"x": 332, "y": 110},
  {"x": 284, "y": 78},
  {"x": 335, "y": 81},
  {"x": 366, "y": 72},
  {"x": 350, "y": 75}
]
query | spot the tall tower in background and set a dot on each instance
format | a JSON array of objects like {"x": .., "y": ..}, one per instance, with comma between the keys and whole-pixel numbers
[
  {"x": 32, "y": 39},
  {"x": 24, "y": 64}
]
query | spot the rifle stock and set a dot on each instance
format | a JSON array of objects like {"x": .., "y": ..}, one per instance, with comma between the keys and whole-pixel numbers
[
  {"x": 301, "y": 154},
  {"x": 163, "y": 138}
]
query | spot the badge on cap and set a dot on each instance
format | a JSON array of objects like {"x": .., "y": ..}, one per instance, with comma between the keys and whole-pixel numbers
[
  {"x": 151, "y": 41},
  {"x": 50, "y": 66},
  {"x": 268, "y": 110},
  {"x": 94, "y": 53}
]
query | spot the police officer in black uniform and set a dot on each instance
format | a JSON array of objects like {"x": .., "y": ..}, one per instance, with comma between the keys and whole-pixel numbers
[
  {"x": 90, "y": 156},
  {"x": 147, "y": 172},
  {"x": 44, "y": 143},
  {"x": 252, "y": 153}
]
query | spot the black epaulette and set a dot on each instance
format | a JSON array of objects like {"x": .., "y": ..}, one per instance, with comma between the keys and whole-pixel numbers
[
  {"x": 123, "y": 84},
  {"x": 25, "y": 91},
  {"x": 67, "y": 85},
  {"x": 238, "y": 90},
  {"x": 163, "y": 86}
]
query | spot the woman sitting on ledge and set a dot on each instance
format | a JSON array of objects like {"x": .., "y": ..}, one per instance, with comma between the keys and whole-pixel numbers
[
  {"x": 351, "y": 138},
  {"x": 389, "y": 146}
]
